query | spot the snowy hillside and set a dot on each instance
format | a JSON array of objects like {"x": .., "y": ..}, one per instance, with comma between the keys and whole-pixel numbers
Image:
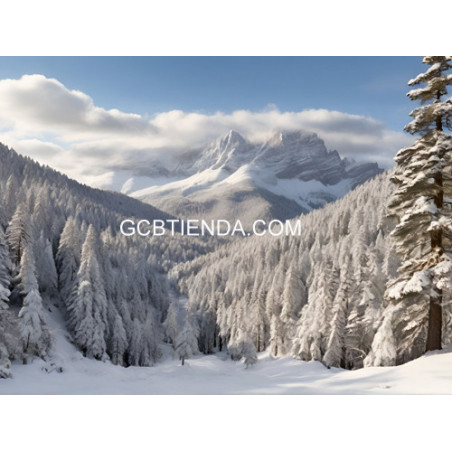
[
  {"x": 67, "y": 371},
  {"x": 61, "y": 253},
  {"x": 71, "y": 373},
  {"x": 318, "y": 296},
  {"x": 291, "y": 173},
  {"x": 60, "y": 248}
]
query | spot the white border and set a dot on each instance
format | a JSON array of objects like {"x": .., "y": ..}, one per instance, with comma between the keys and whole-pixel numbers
[
  {"x": 214, "y": 27},
  {"x": 235, "y": 27},
  {"x": 220, "y": 423}
]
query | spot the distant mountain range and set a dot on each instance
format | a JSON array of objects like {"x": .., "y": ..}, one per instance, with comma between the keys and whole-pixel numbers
[{"x": 290, "y": 174}]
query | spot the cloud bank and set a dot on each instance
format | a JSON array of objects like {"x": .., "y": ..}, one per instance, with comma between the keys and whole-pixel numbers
[{"x": 63, "y": 128}]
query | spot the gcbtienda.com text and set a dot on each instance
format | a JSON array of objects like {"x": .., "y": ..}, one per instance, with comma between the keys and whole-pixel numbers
[{"x": 213, "y": 228}]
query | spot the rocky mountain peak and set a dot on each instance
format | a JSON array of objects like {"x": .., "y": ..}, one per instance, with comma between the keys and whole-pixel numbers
[
  {"x": 232, "y": 138},
  {"x": 229, "y": 152},
  {"x": 290, "y": 147},
  {"x": 290, "y": 173}
]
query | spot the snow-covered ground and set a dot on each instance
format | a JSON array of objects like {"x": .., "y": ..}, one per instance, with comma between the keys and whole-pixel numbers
[{"x": 216, "y": 374}]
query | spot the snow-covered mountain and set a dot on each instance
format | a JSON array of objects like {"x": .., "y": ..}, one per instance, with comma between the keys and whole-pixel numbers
[{"x": 289, "y": 174}]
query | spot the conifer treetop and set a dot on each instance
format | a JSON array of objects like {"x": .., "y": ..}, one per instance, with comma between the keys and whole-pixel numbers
[{"x": 436, "y": 114}]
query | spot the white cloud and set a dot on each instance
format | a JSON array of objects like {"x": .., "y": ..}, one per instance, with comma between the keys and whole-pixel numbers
[
  {"x": 34, "y": 104},
  {"x": 63, "y": 128},
  {"x": 352, "y": 135}
]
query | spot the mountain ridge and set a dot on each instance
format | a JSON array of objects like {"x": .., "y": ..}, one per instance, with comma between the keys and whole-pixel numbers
[
  {"x": 121, "y": 204},
  {"x": 296, "y": 168}
]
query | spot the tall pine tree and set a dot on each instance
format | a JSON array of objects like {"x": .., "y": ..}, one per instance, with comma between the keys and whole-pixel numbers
[
  {"x": 422, "y": 205},
  {"x": 34, "y": 334},
  {"x": 88, "y": 314}
]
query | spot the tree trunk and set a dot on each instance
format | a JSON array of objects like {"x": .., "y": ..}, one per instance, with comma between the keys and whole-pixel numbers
[
  {"x": 435, "y": 319},
  {"x": 435, "y": 316},
  {"x": 342, "y": 363},
  {"x": 439, "y": 119},
  {"x": 183, "y": 360}
]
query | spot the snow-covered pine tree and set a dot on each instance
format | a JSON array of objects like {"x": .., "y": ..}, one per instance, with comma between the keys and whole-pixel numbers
[
  {"x": 293, "y": 299},
  {"x": 135, "y": 345},
  {"x": 311, "y": 338},
  {"x": 277, "y": 332},
  {"x": 88, "y": 314},
  {"x": 151, "y": 338},
  {"x": 383, "y": 351},
  {"x": 68, "y": 260},
  {"x": 10, "y": 199},
  {"x": 118, "y": 342},
  {"x": 34, "y": 333},
  {"x": 5, "y": 268},
  {"x": 171, "y": 323},
  {"x": 258, "y": 318},
  {"x": 247, "y": 350},
  {"x": 187, "y": 341},
  {"x": 41, "y": 212},
  {"x": 335, "y": 352},
  {"x": 46, "y": 271},
  {"x": 18, "y": 233},
  {"x": 5, "y": 317},
  {"x": 422, "y": 204}
]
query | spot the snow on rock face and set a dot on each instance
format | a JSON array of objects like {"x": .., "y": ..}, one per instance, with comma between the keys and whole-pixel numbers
[
  {"x": 292, "y": 147},
  {"x": 229, "y": 152},
  {"x": 293, "y": 168},
  {"x": 304, "y": 156}
]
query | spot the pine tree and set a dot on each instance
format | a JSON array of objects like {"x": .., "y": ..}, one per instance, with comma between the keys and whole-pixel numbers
[
  {"x": 5, "y": 317},
  {"x": 46, "y": 271},
  {"x": 247, "y": 350},
  {"x": 118, "y": 342},
  {"x": 68, "y": 260},
  {"x": 293, "y": 299},
  {"x": 278, "y": 345},
  {"x": 171, "y": 323},
  {"x": 89, "y": 312},
  {"x": 18, "y": 233},
  {"x": 10, "y": 197},
  {"x": 422, "y": 204},
  {"x": 259, "y": 321},
  {"x": 5, "y": 269},
  {"x": 33, "y": 329},
  {"x": 187, "y": 342},
  {"x": 151, "y": 338},
  {"x": 42, "y": 212},
  {"x": 311, "y": 337},
  {"x": 383, "y": 351},
  {"x": 135, "y": 345},
  {"x": 335, "y": 352}
]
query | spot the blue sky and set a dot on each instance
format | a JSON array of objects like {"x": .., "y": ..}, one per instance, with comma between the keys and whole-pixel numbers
[
  {"x": 101, "y": 119},
  {"x": 369, "y": 86}
]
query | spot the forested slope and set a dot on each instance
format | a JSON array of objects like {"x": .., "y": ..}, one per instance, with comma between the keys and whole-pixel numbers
[
  {"x": 318, "y": 296},
  {"x": 60, "y": 248}
]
